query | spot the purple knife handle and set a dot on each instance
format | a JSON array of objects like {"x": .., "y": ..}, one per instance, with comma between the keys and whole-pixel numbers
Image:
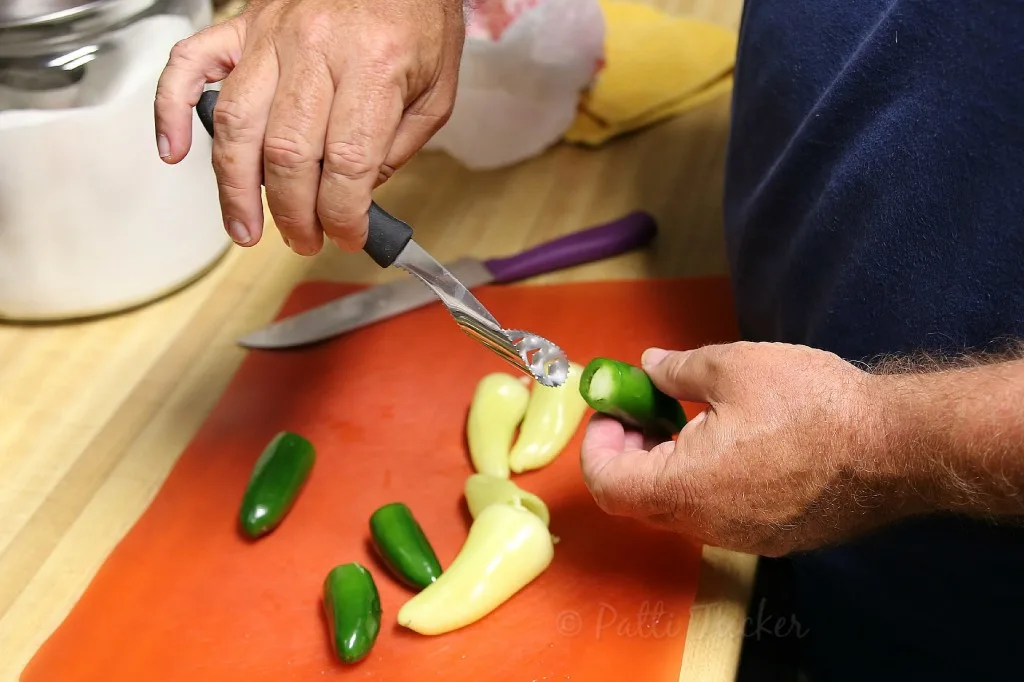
[{"x": 586, "y": 246}]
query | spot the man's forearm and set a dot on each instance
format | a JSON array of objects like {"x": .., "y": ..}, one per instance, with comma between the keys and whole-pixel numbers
[{"x": 958, "y": 434}]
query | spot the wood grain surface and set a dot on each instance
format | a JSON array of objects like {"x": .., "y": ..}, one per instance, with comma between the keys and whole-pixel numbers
[{"x": 94, "y": 414}]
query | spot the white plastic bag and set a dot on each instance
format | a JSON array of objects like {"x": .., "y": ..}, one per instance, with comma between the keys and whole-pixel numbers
[{"x": 524, "y": 65}]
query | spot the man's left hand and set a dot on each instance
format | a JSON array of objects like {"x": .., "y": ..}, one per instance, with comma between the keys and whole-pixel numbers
[{"x": 787, "y": 456}]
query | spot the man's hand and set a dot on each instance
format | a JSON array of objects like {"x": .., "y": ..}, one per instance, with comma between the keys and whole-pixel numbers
[
  {"x": 359, "y": 86},
  {"x": 798, "y": 448},
  {"x": 784, "y": 457}
]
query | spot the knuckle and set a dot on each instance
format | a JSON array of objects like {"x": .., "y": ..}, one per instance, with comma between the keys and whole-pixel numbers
[
  {"x": 670, "y": 495},
  {"x": 232, "y": 120},
  {"x": 717, "y": 355},
  {"x": 675, "y": 366},
  {"x": 441, "y": 118},
  {"x": 603, "y": 499},
  {"x": 162, "y": 94},
  {"x": 185, "y": 50},
  {"x": 337, "y": 218},
  {"x": 231, "y": 181},
  {"x": 435, "y": 113},
  {"x": 230, "y": 190},
  {"x": 679, "y": 366},
  {"x": 385, "y": 50},
  {"x": 623, "y": 493},
  {"x": 221, "y": 160},
  {"x": 229, "y": 113},
  {"x": 164, "y": 98},
  {"x": 384, "y": 174},
  {"x": 224, "y": 163},
  {"x": 349, "y": 160},
  {"x": 293, "y": 222},
  {"x": 602, "y": 493},
  {"x": 716, "y": 363},
  {"x": 318, "y": 29},
  {"x": 288, "y": 152}
]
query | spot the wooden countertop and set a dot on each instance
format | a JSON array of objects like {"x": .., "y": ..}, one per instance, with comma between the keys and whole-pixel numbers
[{"x": 95, "y": 413}]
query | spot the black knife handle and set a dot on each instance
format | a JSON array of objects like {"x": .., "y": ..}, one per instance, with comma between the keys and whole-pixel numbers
[
  {"x": 204, "y": 108},
  {"x": 387, "y": 235}
]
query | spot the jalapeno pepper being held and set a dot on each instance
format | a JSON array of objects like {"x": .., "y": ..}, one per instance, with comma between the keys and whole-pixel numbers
[
  {"x": 277, "y": 477},
  {"x": 352, "y": 605},
  {"x": 403, "y": 546},
  {"x": 626, "y": 393}
]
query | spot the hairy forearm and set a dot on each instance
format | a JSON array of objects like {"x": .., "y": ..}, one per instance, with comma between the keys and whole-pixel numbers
[{"x": 957, "y": 435}]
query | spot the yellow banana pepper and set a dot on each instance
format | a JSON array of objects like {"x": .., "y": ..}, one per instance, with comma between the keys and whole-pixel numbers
[
  {"x": 483, "y": 490},
  {"x": 506, "y": 549},
  {"x": 552, "y": 417},
  {"x": 498, "y": 406}
]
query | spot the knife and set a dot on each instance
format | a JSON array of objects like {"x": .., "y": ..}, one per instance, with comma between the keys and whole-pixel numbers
[{"x": 384, "y": 301}]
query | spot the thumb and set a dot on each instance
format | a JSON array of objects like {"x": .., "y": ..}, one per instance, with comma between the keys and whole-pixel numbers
[
  {"x": 693, "y": 375},
  {"x": 206, "y": 57}
]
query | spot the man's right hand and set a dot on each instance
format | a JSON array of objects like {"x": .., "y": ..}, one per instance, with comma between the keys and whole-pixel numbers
[{"x": 355, "y": 85}]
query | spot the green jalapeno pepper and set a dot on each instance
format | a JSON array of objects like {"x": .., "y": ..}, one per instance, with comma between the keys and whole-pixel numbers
[
  {"x": 402, "y": 545},
  {"x": 274, "y": 485},
  {"x": 626, "y": 393},
  {"x": 352, "y": 606}
]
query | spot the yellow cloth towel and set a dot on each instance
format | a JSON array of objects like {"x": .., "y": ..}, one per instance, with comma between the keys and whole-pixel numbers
[{"x": 656, "y": 66}]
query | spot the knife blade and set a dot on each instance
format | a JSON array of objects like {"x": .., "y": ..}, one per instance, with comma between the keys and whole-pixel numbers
[{"x": 385, "y": 301}]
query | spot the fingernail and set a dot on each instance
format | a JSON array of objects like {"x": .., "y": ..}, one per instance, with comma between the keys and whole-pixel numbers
[
  {"x": 302, "y": 248},
  {"x": 163, "y": 145},
  {"x": 652, "y": 356},
  {"x": 238, "y": 232}
]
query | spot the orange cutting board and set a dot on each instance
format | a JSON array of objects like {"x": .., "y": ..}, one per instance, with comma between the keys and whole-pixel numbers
[{"x": 184, "y": 598}]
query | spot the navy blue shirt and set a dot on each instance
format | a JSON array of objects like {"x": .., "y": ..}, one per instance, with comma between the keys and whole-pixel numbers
[{"x": 875, "y": 205}]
